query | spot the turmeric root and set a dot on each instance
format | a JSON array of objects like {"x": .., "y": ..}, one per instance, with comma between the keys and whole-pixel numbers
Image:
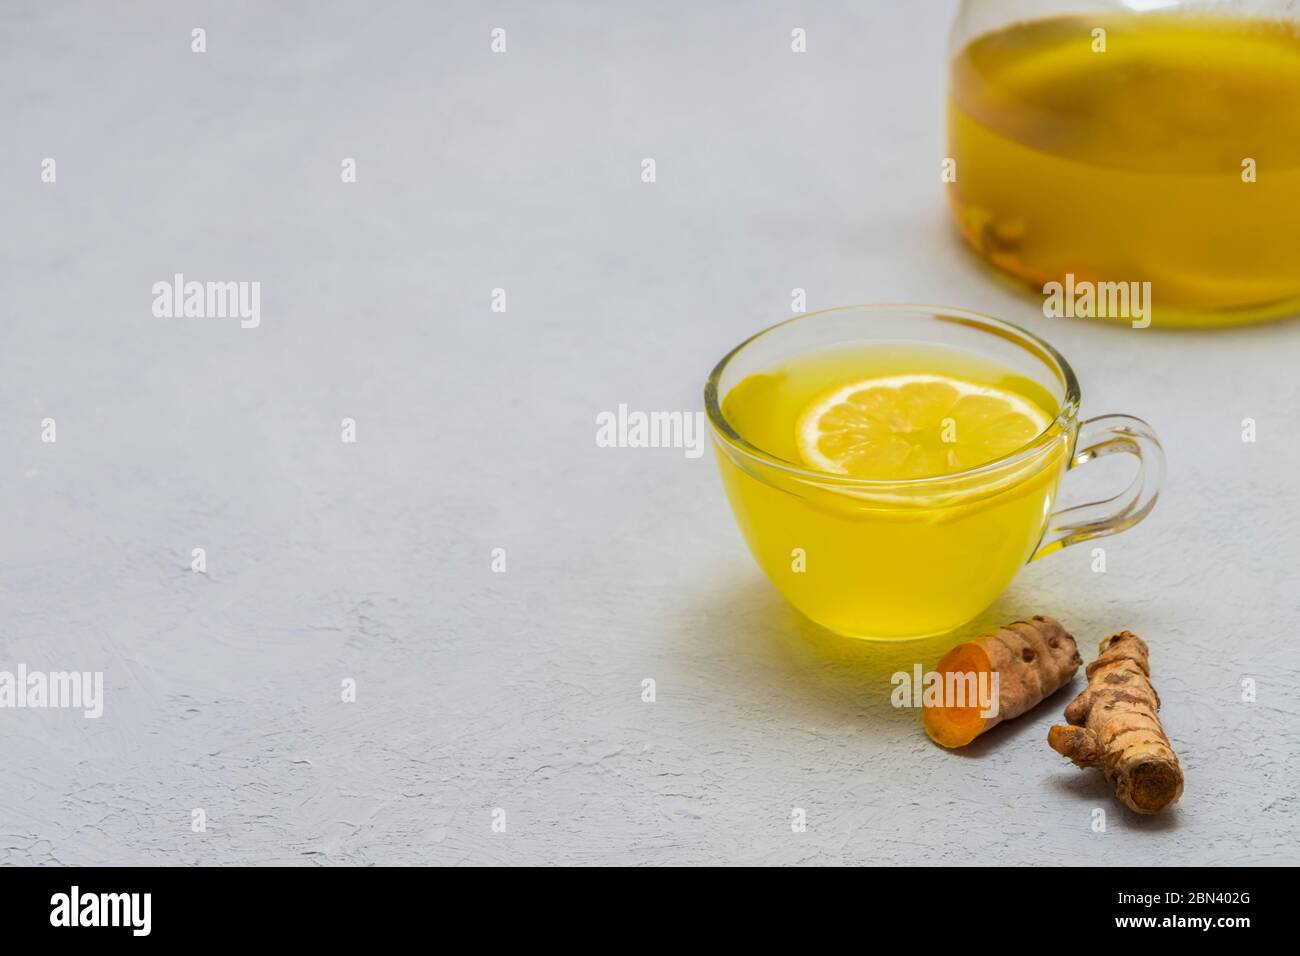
[
  {"x": 1032, "y": 659},
  {"x": 1114, "y": 726}
]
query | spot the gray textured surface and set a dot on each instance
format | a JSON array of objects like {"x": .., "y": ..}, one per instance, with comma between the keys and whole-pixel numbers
[{"x": 523, "y": 690}]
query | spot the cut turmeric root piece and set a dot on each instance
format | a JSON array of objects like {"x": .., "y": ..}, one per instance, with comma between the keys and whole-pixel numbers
[
  {"x": 1031, "y": 660},
  {"x": 949, "y": 724}
]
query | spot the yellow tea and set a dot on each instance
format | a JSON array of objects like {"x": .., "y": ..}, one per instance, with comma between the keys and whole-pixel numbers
[
  {"x": 1165, "y": 149},
  {"x": 925, "y": 510}
]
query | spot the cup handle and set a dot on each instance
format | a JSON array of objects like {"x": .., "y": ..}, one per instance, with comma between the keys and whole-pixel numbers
[{"x": 1109, "y": 435}]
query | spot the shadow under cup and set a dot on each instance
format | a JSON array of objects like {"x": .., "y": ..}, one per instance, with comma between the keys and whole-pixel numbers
[{"x": 891, "y": 560}]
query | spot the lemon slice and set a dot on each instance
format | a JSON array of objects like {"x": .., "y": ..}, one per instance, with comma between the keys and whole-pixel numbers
[{"x": 914, "y": 426}]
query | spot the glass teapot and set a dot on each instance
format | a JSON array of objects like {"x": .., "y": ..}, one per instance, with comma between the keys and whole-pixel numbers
[{"x": 1103, "y": 151}]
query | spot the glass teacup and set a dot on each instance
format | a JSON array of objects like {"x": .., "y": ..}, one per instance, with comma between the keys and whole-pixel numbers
[{"x": 897, "y": 559}]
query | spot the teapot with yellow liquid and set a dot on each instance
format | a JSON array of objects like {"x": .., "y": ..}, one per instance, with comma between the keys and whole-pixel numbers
[{"x": 1139, "y": 146}]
